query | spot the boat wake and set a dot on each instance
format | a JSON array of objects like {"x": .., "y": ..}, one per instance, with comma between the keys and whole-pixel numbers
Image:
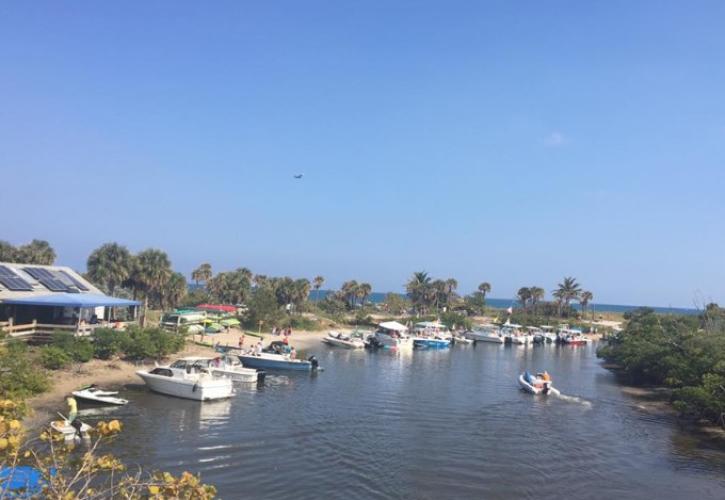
[{"x": 576, "y": 400}]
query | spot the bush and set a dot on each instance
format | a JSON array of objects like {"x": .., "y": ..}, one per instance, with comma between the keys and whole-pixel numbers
[
  {"x": 54, "y": 358},
  {"x": 156, "y": 343},
  {"x": 108, "y": 343},
  {"x": 19, "y": 376},
  {"x": 79, "y": 349}
]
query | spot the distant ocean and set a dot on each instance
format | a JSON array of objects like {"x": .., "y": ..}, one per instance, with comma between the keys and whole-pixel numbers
[{"x": 378, "y": 297}]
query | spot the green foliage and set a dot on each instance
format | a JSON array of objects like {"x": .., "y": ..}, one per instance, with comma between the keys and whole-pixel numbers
[
  {"x": 54, "y": 358},
  {"x": 143, "y": 343},
  {"x": 77, "y": 348},
  {"x": 108, "y": 342},
  {"x": 396, "y": 304},
  {"x": 19, "y": 376},
  {"x": 675, "y": 351},
  {"x": 451, "y": 319},
  {"x": 263, "y": 307}
]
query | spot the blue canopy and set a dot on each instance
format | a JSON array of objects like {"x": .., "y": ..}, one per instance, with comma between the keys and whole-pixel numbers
[{"x": 72, "y": 300}]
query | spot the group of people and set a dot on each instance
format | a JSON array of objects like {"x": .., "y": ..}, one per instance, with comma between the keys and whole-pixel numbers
[{"x": 282, "y": 331}]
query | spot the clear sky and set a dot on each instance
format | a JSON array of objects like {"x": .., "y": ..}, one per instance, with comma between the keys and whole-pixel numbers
[{"x": 514, "y": 142}]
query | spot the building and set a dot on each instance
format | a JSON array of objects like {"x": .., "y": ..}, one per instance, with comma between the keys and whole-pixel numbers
[{"x": 39, "y": 300}]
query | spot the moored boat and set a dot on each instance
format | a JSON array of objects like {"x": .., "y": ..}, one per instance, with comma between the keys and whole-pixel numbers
[
  {"x": 391, "y": 335},
  {"x": 69, "y": 432},
  {"x": 338, "y": 339},
  {"x": 95, "y": 394},
  {"x": 486, "y": 333},
  {"x": 221, "y": 366},
  {"x": 539, "y": 384},
  {"x": 273, "y": 361},
  {"x": 192, "y": 383},
  {"x": 571, "y": 336}
]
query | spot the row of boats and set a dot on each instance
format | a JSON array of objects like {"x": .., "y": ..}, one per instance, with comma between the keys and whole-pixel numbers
[{"x": 435, "y": 335}]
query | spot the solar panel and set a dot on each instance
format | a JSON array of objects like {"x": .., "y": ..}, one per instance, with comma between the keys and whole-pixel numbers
[
  {"x": 6, "y": 271},
  {"x": 54, "y": 285},
  {"x": 74, "y": 281},
  {"x": 15, "y": 283},
  {"x": 39, "y": 273}
]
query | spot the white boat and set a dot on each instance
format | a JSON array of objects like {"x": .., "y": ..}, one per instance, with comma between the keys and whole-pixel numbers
[
  {"x": 459, "y": 339},
  {"x": 486, "y": 333},
  {"x": 68, "y": 431},
  {"x": 338, "y": 339},
  {"x": 221, "y": 366},
  {"x": 196, "y": 383},
  {"x": 97, "y": 395},
  {"x": 572, "y": 336},
  {"x": 513, "y": 334},
  {"x": 392, "y": 335},
  {"x": 537, "y": 384},
  {"x": 545, "y": 334}
]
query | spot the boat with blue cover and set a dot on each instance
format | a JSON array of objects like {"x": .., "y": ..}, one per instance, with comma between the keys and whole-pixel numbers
[{"x": 277, "y": 356}]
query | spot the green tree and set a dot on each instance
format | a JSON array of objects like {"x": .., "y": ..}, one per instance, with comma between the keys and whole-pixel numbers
[
  {"x": 584, "y": 298},
  {"x": 202, "y": 273},
  {"x": 524, "y": 295},
  {"x": 151, "y": 271},
  {"x": 317, "y": 283},
  {"x": 349, "y": 291},
  {"x": 537, "y": 295},
  {"x": 109, "y": 266},
  {"x": 174, "y": 290},
  {"x": 419, "y": 291},
  {"x": 37, "y": 252},
  {"x": 484, "y": 288},
  {"x": 567, "y": 291},
  {"x": 8, "y": 252},
  {"x": 364, "y": 291}
]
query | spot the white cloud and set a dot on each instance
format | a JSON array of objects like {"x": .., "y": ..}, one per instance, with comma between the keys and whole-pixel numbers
[{"x": 555, "y": 139}]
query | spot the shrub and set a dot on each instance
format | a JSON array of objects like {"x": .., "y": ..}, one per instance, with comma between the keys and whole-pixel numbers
[
  {"x": 19, "y": 376},
  {"x": 54, "y": 358},
  {"x": 79, "y": 349},
  {"x": 145, "y": 343},
  {"x": 108, "y": 343}
]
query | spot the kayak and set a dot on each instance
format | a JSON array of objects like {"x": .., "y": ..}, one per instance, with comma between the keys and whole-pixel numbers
[{"x": 98, "y": 395}]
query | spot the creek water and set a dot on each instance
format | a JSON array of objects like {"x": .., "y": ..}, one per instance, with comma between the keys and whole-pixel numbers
[{"x": 426, "y": 424}]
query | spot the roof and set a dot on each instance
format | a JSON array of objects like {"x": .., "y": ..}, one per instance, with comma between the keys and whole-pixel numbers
[
  {"x": 38, "y": 289},
  {"x": 217, "y": 307},
  {"x": 393, "y": 325},
  {"x": 71, "y": 300}
]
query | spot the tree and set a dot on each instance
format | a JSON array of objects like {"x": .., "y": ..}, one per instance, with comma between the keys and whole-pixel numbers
[
  {"x": 524, "y": 295},
  {"x": 364, "y": 291},
  {"x": 567, "y": 291},
  {"x": 485, "y": 289},
  {"x": 110, "y": 265},
  {"x": 584, "y": 298},
  {"x": 396, "y": 303},
  {"x": 317, "y": 284},
  {"x": 537, "y": 295},
  {"x": 151, "y": 272},
  {"x": 419, "y": 288},
  {"x": 231, "y": 287},
  {"x": 202, "y": 273},
  {"x": 174, "y": 291},
  {"x": 37, "y": 252},
  {"x": 8, "y": 253},
  {"x": 452, "y": 286},
  {"x": 349, "y": 291}
]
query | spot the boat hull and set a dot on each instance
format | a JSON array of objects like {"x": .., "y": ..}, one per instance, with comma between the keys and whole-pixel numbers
[
  {"x": 431, "y": 343},
  {"x": 345, "y": 344},
  {"x": 535, "y": 390},
  {"x": 485, "y": 337},
  {"x": 268, "y": 363},
  {"x": 199, "y": 390},
  {"x": 245, "y": 375}
]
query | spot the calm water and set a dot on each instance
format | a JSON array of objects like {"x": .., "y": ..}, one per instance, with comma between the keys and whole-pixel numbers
[{"x": 426, "y": 424}]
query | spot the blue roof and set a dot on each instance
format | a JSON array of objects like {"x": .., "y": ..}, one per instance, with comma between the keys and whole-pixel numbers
[{"x": 72, "y": 300}]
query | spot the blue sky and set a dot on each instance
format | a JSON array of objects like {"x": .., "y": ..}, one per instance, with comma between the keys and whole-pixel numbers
[{"x": 512, "y": 142}]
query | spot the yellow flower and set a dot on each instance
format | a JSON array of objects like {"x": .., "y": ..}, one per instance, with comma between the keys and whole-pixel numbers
[
  {"x": 154, "y": 490},
  {"x": 3, "y": 443}
]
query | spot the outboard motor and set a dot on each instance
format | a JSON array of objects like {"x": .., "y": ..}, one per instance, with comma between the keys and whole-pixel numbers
[
  {"x": 547, "y": 387},
  {"x": 313, "y": 361}
]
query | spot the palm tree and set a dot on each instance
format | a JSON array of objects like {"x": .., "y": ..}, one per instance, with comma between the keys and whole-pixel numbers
[
  {"x": 8, "y": 253},
  {"x": 452, "y": 285},
  {"x": 152, "y": 271},
  {"x": 419, "y": 288},
  {"x": 174, "y": 290},
  {"x": 568, "y": 290},
  {"x": 349, "y": 291},
  {"x": 584, "y": 298},
  {"x": 202, "y": 273},
  {"x": 364, "y": 291},
  {"x": 484, "y": 288},
  {"x": 524, "y": 294},
  {"x": 36, "y": 252},
  {"x": 110, "y": 265},
  {"x": 317, "y": 284},
  {"x": 537, "y": 295}
]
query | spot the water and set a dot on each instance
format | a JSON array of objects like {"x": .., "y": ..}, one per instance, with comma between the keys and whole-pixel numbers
[
  {"x": 379, "y": 297},
  {"x": 426, "y": 424}
]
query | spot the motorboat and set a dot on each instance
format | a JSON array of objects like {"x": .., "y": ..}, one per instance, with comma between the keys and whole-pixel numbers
[
  {"x": 486, "y": 333},
  {"x": 431, "y": 342},
  {"x": 571, "y": 336},
  {"x": 95, "y": 394},
  {"x": 338, "y": 339},
  {"x": 69, "y": 432},
  {"x": 545, "y": 335},
  {"x": 513, "y": 334},
  {"x": 539, "y": 384},
  {"x": 191, "y": 382},
  {"x": 460, "y": 339},
  {"x": 431, "y": 334},
  {"x": 221, "y": 366},
  {"x": 277, "y": 356},
  {"x": 391, "y": 335}
]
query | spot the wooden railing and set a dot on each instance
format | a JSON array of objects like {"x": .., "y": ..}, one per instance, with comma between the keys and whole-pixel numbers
[{"x": 43, "y": 332}]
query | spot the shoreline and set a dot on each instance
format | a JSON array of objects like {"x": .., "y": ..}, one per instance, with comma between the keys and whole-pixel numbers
[{"x": 117, "y": 374}]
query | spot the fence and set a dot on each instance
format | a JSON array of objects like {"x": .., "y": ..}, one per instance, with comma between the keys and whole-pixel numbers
[{"x": 41, "y": 332}]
